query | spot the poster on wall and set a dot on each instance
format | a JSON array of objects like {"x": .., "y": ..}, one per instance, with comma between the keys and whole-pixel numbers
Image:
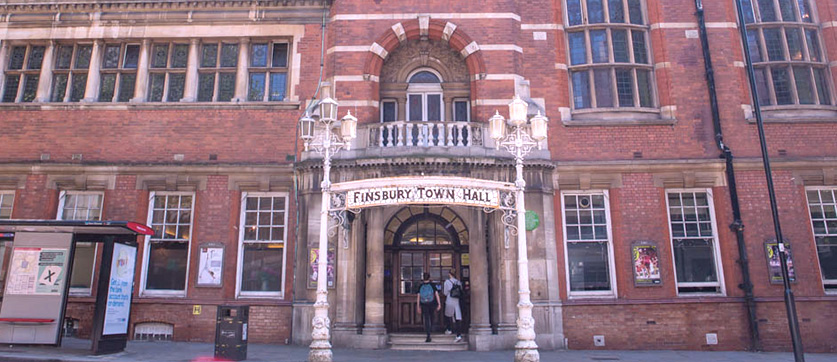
[
  {"x": 646, "y": 264},
  {"x": 313, "y": 259},
  {"x": 774, "y": 265},
  {"x": 37, "y": 271},
  {"x": 120, "y": 287},
  {"x": 210, "y": 265}
]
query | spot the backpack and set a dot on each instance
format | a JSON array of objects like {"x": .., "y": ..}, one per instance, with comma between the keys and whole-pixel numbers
[
  {"x": 426, "y": 293},
  {"x": 456, "y": 291}
]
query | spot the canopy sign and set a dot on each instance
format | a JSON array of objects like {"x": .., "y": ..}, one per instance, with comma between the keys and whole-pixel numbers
[{"x": 394, "y": 195}]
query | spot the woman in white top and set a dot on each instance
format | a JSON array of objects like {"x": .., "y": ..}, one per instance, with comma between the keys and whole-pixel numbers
[{"x": 453, "y": 313}]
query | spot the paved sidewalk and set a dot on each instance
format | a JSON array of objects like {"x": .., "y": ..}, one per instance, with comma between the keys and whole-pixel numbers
[{"x": 77, "y": 350}]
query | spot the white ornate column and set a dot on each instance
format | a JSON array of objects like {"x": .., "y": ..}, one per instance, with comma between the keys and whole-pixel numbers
[
  {"x": 241, "y": 73},
  {"x": 190, "y": 91},
  {"x": 45, "y": 80},
  {"x": 320, "y": 349},
  {"x": 91, "y": 91},
  {"x": 141, "y": 87}
]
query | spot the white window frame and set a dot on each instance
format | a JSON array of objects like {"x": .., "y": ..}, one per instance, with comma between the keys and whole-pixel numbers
[
  {"x": 830, "y": 282},
  {"x": 147, "y": 244},
  {"x": 613, "y": 292},
  {"x": 425, "y": 89},
  {"x": 6, "y": 193},
  {"x": 467, "y": 109},
  {"x": 395, "y": 104},
  {"x": 716, "y": 246},
  {"x": 62, "y": 198},
  {"x": 240, "y": 263}
]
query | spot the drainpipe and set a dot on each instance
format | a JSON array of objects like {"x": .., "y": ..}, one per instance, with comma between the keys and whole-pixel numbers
[{"x": 737, "y": 225}]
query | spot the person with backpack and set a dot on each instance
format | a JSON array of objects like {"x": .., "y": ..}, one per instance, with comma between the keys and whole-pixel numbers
[
  {"x": 426, "y": 299},
  {"x": 453, "y": 313}
]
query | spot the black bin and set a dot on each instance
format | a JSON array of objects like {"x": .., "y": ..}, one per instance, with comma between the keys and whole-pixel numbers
[{"x": 231, "y": 332}]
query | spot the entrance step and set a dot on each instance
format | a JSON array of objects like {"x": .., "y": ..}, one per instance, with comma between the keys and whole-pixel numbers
[{"x": 415, "y": 342}]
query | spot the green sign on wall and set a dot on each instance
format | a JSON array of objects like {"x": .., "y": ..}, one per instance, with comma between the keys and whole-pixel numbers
[{"x": 532, "y": 220}]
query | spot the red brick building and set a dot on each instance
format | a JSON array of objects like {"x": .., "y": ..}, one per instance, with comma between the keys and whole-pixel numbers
[{"x": 183, "y": 116}]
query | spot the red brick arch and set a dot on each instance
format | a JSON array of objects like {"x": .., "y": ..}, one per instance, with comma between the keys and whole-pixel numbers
[{"x": 458, "y": 41}]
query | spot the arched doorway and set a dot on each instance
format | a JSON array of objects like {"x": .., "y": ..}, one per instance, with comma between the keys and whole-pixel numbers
[{"x": 421, "y": 239}]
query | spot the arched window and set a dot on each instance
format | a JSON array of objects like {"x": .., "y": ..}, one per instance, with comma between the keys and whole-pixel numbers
[
  {"x": 426, "y": 226},
  {"x": 424, "y": 97}
]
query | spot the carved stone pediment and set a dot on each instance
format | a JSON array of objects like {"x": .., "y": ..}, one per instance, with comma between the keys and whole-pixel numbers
[{"x": 413, "y": 54}]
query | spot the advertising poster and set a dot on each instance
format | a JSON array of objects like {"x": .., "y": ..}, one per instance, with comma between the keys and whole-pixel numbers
[
  {"x": 35, "y": 271},
  {"x": 210, "y": 266},
  {"x": 774, "y": 266},
  {"x": 313, "y": 272},
  {"x": 120, "y": 287},
  {"x": 646, "y": 264}
]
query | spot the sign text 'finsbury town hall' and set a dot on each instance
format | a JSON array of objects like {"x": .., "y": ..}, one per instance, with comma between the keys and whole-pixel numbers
[{"x": 470, "y": 196}]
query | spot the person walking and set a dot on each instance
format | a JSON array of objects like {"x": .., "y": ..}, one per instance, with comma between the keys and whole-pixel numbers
[
  {"x": 426, "y": 299},
  {"x": 453, "y": 312}
]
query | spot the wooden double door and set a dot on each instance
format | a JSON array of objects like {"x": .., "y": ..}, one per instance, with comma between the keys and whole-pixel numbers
[{"x": 403, "y": 270}]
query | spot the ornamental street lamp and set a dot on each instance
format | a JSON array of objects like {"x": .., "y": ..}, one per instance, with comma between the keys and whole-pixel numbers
[
  {"x": 334, "y": 136},
  {"x": 519, "y": 142}
]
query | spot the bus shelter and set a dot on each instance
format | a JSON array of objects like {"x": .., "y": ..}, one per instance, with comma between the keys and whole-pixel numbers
[{"x": 38, "y": 274}]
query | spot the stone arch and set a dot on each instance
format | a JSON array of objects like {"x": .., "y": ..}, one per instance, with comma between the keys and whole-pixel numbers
[
  {"x": 432, "y": 29},
  {"x": 454, "y": 224}
]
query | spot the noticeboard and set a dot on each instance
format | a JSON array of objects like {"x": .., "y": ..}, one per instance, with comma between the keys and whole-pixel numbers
[{"x": 120, "y": 287}]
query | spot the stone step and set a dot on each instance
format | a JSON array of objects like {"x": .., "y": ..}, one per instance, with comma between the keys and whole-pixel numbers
[{"x": 416, "y": 342}]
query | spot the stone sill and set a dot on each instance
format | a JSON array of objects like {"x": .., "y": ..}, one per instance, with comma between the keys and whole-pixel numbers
[
  {"x": 620, "y": 117},
  {"x": 150, "y": 105},
  {"x": 795, "y": 114}
]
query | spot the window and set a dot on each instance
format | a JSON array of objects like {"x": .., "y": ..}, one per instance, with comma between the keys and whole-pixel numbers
[
  {"x": 74, "y": 205},
  {"x": 694, "y": 242},
  {"x": 167, "y": 76},
  {"x": 119, "y": 72},
  {"x": 788, "y": 57},
  {"x": 268, "y": 72},
  {"x": 7, "y": 201},
  {"x": 424, "y": 97},
  {"x": 461, "y": 110},
  {"x": 588, "y": 244},
  {"x": 216, "y": 80},
  {"x": 822, "y": 203},
  {"x": 609, "y": 61},
  {"x": 389, "y": 110},
  {"x": 23, "y": 73},
  {"x": 69, "y": 78},
  {"x": 261, "y": 264},
  {"x": 167, "y": 251}
]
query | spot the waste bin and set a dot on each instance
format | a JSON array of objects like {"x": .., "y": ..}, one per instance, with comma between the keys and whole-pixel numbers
[{"x": 231, "y": 332}]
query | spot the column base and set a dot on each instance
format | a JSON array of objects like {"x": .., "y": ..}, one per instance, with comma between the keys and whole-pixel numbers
[
  {"x": 374, "y": 336},
  {"x": 526, "y": 355},
  {"x": 320, "y": 355}
]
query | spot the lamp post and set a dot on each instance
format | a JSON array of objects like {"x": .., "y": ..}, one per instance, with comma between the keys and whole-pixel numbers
[
  {"x": 519, "y": 142},
  {"x": 327, "y": 143}
]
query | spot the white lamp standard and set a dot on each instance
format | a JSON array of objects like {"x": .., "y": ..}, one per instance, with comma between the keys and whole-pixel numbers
[
  {"x": 519, "y": 143},
  {"x": 327, "y": 143}
]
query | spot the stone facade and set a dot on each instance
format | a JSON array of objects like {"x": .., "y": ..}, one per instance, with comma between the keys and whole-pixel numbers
[{"x": 220, "y": 152}]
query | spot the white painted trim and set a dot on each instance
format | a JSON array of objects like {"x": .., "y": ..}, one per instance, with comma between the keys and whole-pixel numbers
[
  {"x": 716, "y": 247},
  {"x": 721, "y": 25},
  {"x": 164, "y": 31},
  {"x": 549, "y": 26},
  {"x": 490, "y": 102},
  {"x": 379, "y": 50},
  {"x": 829, "y": 24},
  {"x": 348, "y": 78},
  {"x": 612, "y": 293},
  {"x": 418, "y": 92},
  {"x": 562, "y": 66},
  {"x": 501, "y": 47},
  {"x": 240, "y": 252},
  {"x": 811, "y": 224},
  {"x": 347, "y": 48},
  {"x": 662, "y": 65},
  {"x": 147, "y": 242},
  {"x": 411, "y": 16},
  {"x": 359, "y": 103},
  {"x": 427, "y": 181},
  {"x": 509, "y": 76}
]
